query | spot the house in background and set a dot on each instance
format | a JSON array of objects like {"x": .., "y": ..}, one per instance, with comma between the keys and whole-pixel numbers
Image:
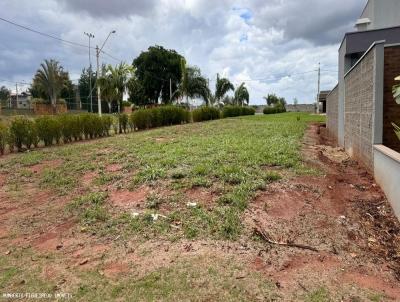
[
  {"x": 321, "y": 106},
  {"x": 22, "y": 101}
]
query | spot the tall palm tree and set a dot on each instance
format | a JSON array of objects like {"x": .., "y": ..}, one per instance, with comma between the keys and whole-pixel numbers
[
  {"x": 222, "y": 86},
  {"x": 242, "y": 95},
  {"x": 113, "y": 83},
  {"x": 50, "y": 79},
  {"x": 193, "y": 84}
]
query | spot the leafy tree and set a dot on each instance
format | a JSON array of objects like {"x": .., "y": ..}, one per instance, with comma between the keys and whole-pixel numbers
[
  {"x": 84, "y": 89},
  {"x": 192, "y": 85},
  {"x": 242, "y": 95},
  {"x": 154, "y": 68},
  {"x": 295, "y": 101},
  {"x": 137, "y": 94},
  {"x": 113, "y": 83},
  {"x": 272, "y": 99},
  {"x": 49, "y": 82},
  {"x": 67, "y": 92},
  {"x": 4, "y": 94},
  {"x": 222, "y": 86}
]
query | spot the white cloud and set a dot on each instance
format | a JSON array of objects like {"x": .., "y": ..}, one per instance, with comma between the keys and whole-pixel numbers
[{"x": 245, "y": 40}]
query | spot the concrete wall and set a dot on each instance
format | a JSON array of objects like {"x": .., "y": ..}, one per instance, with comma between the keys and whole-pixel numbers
[
  {"x": 363, "y": 107},
  {"x": 382, "y": 13},
  {"x": 358, "y": 109},
  {"x": 300, "y": 108},
  {"x": 332, "y": 115},
  {"x": 387, "y": 174},
  {"x": 391, "y": 110}
]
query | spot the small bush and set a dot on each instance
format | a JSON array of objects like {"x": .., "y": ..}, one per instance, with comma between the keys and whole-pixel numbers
[
  {"x": 123, "y": 122},
  {"x": 232, "y": 111},
  {"x": 107, "y": 122},
  {"x": 142, "y": 119},
  {"x": 49, "y": 129},
  {"x": 23, "y": 133},
  {"x": 3, "y": 137},
  {"x": 66, "y": 123},
  {"x": 278, "y": 108},
  {"x": 205, "y": 114},
  {"x": 92, "y": 125},
  {"x": 157, "y": 117},
  {"x": 77, "y": 127}
]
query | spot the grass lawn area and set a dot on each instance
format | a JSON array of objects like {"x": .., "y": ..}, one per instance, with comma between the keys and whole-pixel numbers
[{"x": 129, "y": 194}]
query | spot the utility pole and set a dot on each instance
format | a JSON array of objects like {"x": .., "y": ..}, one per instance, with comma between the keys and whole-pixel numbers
[
  {"x": 97, "y": 81},
  {"x": 98, "y": 50},
  {"x": 90, "y": 35},
  {"x": 319, "y": 86}
]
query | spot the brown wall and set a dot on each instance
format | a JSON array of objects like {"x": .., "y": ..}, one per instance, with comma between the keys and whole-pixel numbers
[
  {"x": 391, "y": 110},
  {"x": 359, "y": 110},
  {"x": 332, "y": 115},
  {"x": 44, "y": 109}
]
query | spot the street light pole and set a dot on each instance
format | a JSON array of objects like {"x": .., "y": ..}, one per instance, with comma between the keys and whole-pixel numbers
[
  {"x": 98, "y": 50},
  {"x": 90, "y": 35}
]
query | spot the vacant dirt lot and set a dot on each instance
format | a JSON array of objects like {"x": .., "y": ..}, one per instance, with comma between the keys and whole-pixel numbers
[{"x": 110, "y": 228}]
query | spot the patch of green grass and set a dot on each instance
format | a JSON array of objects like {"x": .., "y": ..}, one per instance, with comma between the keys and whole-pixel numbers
[
  {"x": 90, "y": 208},
  {"x": 196, "y": 279},
  {"x": 319, "y": 295},
  {"x": 58, "y": 180},
  {"x": 376, "y": 297},
  {"x": 229, "y": 155}
]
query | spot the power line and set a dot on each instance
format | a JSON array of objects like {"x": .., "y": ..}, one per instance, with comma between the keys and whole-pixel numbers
[{"x": 42, "y": 33}]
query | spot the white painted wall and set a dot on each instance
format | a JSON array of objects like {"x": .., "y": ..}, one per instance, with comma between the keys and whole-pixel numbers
[
  {"x": 382, "y": 14},
  {"x": 387, "y": 174}
]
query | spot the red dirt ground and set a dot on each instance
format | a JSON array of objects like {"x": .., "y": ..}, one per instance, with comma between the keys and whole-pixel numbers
[
  {"x": 341, "y": 213},
  {"x": 130, "y": 199}
]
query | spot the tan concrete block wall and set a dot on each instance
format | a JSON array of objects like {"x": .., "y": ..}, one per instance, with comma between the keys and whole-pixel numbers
[
  {"x": 359, "y": 110},
  {"x": 332, "y": 114}
]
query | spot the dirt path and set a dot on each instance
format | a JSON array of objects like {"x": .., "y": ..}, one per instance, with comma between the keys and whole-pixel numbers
[{"x": 342, "y": 214}]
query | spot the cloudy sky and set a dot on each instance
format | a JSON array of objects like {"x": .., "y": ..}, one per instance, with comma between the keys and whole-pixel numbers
[{"x": 274, "y": 46}]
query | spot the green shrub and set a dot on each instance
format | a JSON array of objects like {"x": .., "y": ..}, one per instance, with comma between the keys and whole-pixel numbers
[
  {"x": 205, "y": 114},
  {"x": 66, "y": 123},
  {"x": 126, "y": 104},
  {"x": 278, "y": 108},
  {"x": 172, "y": 115},
  {"x": 123, "y": 122},
  {"x": 107, "y": 122},
  {"x": 232, "y": 111},
  {"x": 49, "y": 129},
  {"x": 92, "y": 125},
  {"x": 3, "y": 137},
  {"x": 131, "y": 122},
  {"x": 76, "y": 127},
  {"x": 157, "y": 117},
  {"x": 23, "y": 133},
  {"x": 142, "y": 118}
]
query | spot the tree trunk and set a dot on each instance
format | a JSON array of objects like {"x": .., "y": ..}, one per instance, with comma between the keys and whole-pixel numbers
[{"x": 54, "y": 104}]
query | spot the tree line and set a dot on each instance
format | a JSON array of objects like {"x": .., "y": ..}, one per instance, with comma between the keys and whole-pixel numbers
[{"x": 157, "y": 75}]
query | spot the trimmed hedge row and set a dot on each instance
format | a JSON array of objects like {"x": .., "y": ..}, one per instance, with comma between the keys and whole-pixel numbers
[
  {"x": 23, "y": 132},
  {"x": 157, "y": 117},
  {"x": 205, "y": 114},
  {"x": 232, "y": 111},
  {"x": 27, "y": 133},
  {"x": 279, "y": 108}
]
